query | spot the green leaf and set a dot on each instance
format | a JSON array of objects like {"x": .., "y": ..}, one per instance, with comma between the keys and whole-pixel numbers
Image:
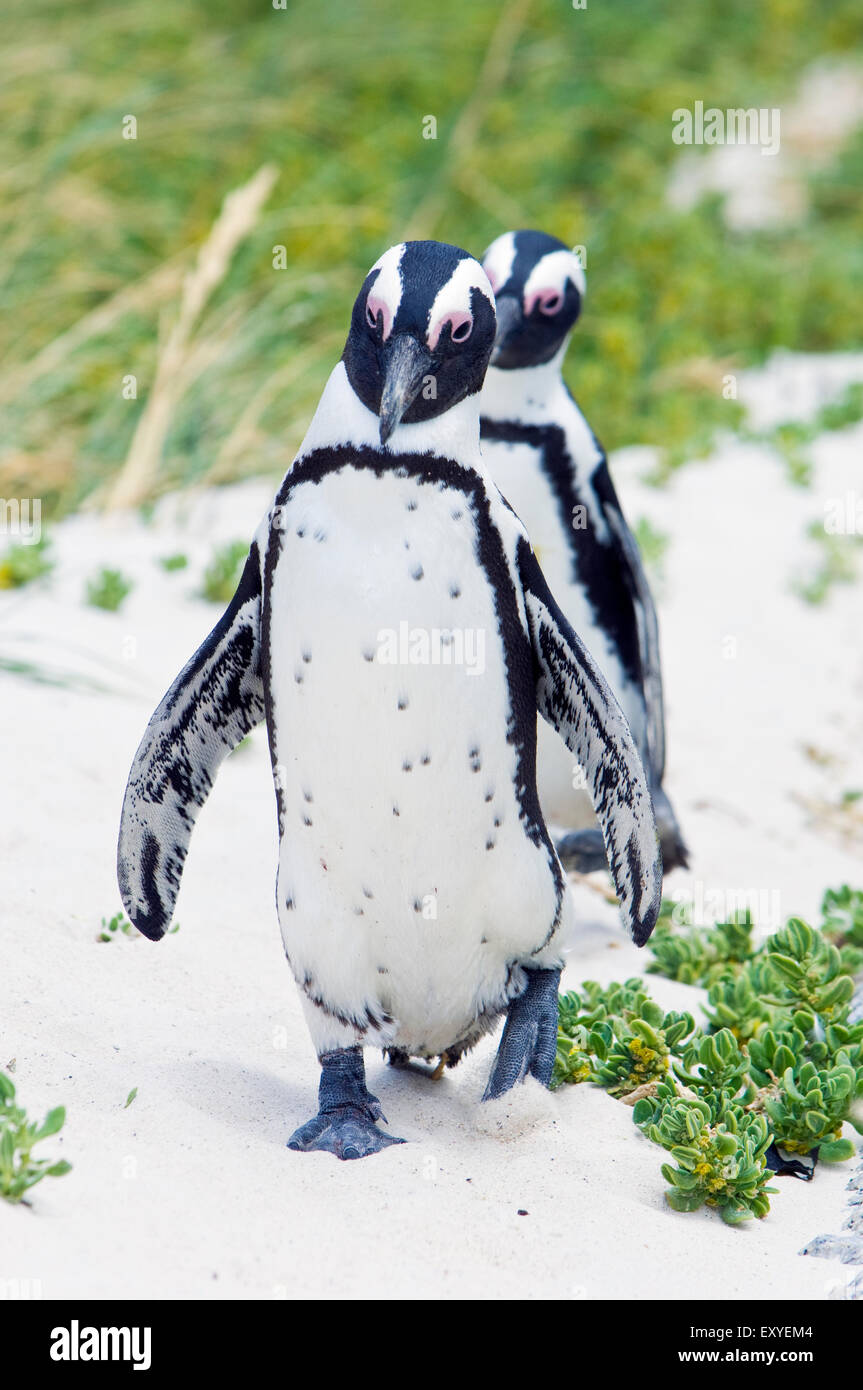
[
  {"x": 836, "y": 1150},
  {"x": 683, "y": 1201},
  {"x": 130, "y": 1097},
  {"x": 57, "y": 1170},
  {"x": 54, "y": 1121}
]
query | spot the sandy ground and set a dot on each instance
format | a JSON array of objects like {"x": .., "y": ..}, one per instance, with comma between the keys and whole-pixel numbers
[{"x": 190, "y": 1191}]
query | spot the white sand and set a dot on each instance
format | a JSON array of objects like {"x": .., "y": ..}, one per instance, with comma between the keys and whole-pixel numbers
[{"x": 190, "y": 1192}]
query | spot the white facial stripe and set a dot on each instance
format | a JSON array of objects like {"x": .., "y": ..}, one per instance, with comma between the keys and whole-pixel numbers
[
  {"x": 452, "y": 300},
  {"x": 550, "y": 274},
  {"x": 498, "y": 260},
  {"x": 386, "y": 292}
]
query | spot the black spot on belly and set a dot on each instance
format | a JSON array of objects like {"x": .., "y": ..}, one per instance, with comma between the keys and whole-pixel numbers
[
  {"x": 368, "y": 654},
  {"x": 395, "y": 810},
  {"x": 300, "y": 532},
  {"x": 490, "y": 844},
  {"x": 402, "y": 702},
  {"x": 367, "y": 892},
  {"x": 425, "y": 759},
  {"x": 496, "y": 821},
  {"x": 307, "y": 656},
  {"x": 418, "y": 572},
  {"x": 489, "y": 796},
  {"x": 407, "y": 767},
  {"x": 298, "y": 677},
  {"x": 456, "y": 513},
  {"x": 418, "y": 907},
  {"x": 307, "y": 796},
  {"x": 289, "y": 904},
  {"x": 411, "y": 506},
  {"x": 475, "y": 762},
  {"x": 382, "y": 970},
  {"x": 307, "y": 820},
  {"x": 483, "y": 941},
  {"x": 359, "y": 912},
  {"x": 455, "y": 591},
  {"x": 320, "y": 534}
]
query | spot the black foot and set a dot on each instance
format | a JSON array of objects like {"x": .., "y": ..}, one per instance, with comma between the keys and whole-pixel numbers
[
  {"x": 347, "y": 1134},
  {"x": 345, "y": 1123},
  {"x": 582, "y": 851},
  {"x": 529, "y": 1040}
]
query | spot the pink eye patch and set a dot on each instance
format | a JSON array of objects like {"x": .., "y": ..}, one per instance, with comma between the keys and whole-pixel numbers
[
  {"x": 460, "y": 327},
  {"x": 376, "y": 305},
  {"x": 549, "y": 301}
]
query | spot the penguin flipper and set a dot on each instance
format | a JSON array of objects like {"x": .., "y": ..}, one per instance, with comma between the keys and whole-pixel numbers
[
  {"x": 576, "y": 699},
  {"x": 217, "y": 698},
  {"x": 644, "y": 609}
]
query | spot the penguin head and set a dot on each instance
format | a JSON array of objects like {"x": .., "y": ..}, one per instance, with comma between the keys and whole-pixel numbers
[
  {"x": 422, "y": 331},
  {"x": 538, "y": 284}
]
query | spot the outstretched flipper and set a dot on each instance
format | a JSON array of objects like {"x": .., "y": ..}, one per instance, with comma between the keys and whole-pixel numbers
[
  {"x": 575, "y": 698},
  {"x": 217, "y": 698}
]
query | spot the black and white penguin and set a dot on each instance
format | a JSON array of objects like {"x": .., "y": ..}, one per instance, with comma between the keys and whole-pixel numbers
[
  {"x": 394, "y": 629},
  {"x": 551, "y": 468}
]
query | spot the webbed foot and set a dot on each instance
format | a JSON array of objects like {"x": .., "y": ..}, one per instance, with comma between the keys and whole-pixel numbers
[
  {"x": 347, "y": 1134},
  {"x": 345, "y": 1122},
  {"x": 529, "y": 1040}
]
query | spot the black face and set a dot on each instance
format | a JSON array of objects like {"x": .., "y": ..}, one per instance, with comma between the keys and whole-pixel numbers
[
  {"x": 526, "y": 338},
  {"x": 410, "y": 370}
]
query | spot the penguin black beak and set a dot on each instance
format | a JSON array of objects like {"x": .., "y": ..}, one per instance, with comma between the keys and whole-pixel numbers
[
  {"x": 406, "y": 364},
  {"x": 508, "y": 310}
]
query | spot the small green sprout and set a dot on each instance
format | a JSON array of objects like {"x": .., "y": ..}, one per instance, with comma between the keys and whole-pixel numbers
[
  {"x": 108, "y": 589},
  {"x": 21, "y": 563},
  {"x": 130, "y": 1097},
  {"x": 222, "y": 575},
  {"x": 170, "y": 563},
  {"x": 19, "y": 1171},
  {"x": 118, "y": 923}
]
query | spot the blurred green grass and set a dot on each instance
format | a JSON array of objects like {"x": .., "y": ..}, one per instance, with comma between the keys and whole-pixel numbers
[{"x": 571, "y": 135}]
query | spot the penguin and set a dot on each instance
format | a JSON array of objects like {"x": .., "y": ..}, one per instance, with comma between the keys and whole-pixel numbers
[
  {"x": 550, "y": 466},
  {"x": 394, "y": 630}
]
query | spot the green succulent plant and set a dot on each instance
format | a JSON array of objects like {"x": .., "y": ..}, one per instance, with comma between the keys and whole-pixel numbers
[
  {"x": 222, "y": 575},
  {"x": 19, "y": 1171},
  {"x": 842, "y": 913},
  {"x": 809, "y": 1107},
  {"x": 808, "y": 970},
  {"x": 108, "y": 589},
  {"x": 696, "y": 956},
  {"x": 717, "y": 1147}
]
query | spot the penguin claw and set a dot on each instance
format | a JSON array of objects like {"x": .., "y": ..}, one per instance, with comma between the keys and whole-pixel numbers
[
  {"x": 347, "y": 1133},
  {"x": 529, "y": 1040}
]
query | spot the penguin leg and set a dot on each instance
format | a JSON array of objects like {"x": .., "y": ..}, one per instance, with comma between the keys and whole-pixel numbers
[
  {"x": 582, "y": 851},
  {"x": 345, "y": 1122},
  {"x": 529, "y": 1040}
]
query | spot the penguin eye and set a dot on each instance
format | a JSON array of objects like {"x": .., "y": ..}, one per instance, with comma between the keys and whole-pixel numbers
[
  {"x": 551, "y": 304},
  {"x": 371, "y": 317},
  {"x": 461, "y": 329}
]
